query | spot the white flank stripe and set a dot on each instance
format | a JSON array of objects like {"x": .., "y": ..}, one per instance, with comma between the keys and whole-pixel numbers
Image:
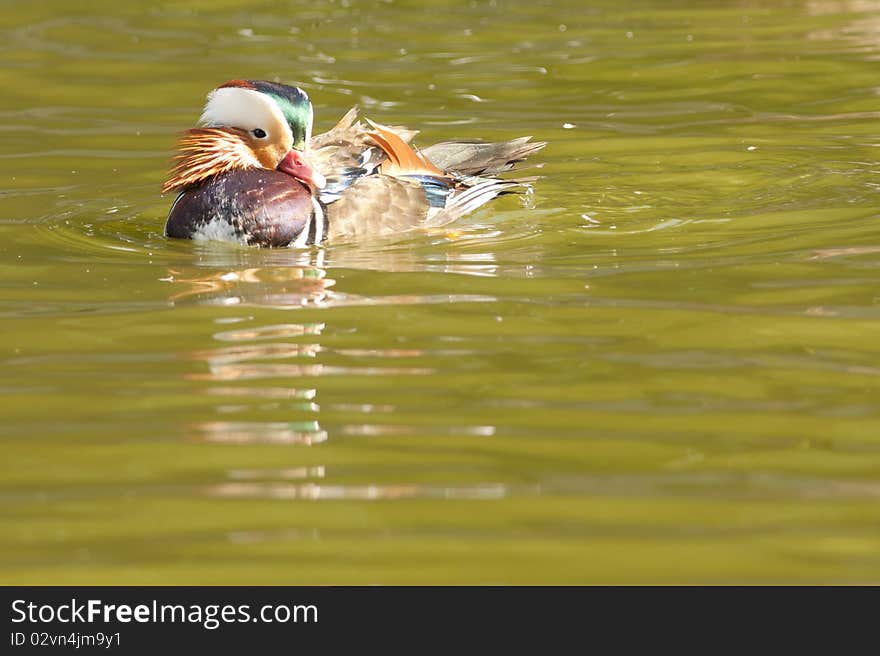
[
  {"x": 319, "y": 221},
  {"x": 300, "y": 241}
]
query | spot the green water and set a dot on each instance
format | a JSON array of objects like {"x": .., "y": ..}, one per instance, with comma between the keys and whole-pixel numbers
[{"x": 661, "y": 367}]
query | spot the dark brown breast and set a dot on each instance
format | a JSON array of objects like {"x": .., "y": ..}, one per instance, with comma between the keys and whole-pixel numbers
[{"x": 258, "y": 206}]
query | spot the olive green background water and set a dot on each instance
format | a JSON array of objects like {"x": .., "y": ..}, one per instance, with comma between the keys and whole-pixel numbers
[{"x": 660, "y": 367}]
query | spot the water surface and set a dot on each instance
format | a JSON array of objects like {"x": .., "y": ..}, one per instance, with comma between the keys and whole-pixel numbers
[{"x": 661, "y": 366}]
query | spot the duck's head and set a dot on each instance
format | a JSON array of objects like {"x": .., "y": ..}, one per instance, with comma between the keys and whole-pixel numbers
[{"x": 249, "y": 124}]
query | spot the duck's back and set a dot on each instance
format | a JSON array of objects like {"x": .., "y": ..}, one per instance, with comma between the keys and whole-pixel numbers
[
  {"x": 254, "y": 206},
  {"x": 378, "y": 185}
]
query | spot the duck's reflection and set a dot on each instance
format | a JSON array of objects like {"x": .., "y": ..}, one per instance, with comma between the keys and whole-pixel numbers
[
  {"x": 280, "y": 357},
  {"x": 265, "y": 368},
  {"x": 305, "y": 433},
  {"x": 319, "y": 491},
  {"x": 271, "y": 287}
]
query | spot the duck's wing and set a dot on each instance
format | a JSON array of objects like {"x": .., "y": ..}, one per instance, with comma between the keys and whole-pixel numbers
[
  {"x": 400, "y": 194},
  {"x": 377, "y": 206},
  {"x": 348, "y": 152},
  {"x": 380, "y": 185}
]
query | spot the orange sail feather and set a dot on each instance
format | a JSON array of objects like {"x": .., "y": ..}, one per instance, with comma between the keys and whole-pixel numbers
[{"x": 402, "y": 158}]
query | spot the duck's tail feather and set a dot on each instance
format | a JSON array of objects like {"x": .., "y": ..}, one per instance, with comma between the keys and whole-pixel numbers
[
  {"x": 474, "y": 197},
  {"x": 468, "y": 158}
]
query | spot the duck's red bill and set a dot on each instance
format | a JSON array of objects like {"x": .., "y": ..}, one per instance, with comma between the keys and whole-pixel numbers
[{"x": 296, "y": 164}]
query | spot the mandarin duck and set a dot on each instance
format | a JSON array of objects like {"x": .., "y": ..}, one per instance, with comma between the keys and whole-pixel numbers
[{"x": 253, "y": 173}]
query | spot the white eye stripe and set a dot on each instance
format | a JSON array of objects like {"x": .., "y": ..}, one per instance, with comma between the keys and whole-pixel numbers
[{"x": 246, "y": 109}]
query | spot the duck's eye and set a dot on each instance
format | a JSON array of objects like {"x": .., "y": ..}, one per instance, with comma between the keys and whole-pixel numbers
[{"x": 259, "y": 133}]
